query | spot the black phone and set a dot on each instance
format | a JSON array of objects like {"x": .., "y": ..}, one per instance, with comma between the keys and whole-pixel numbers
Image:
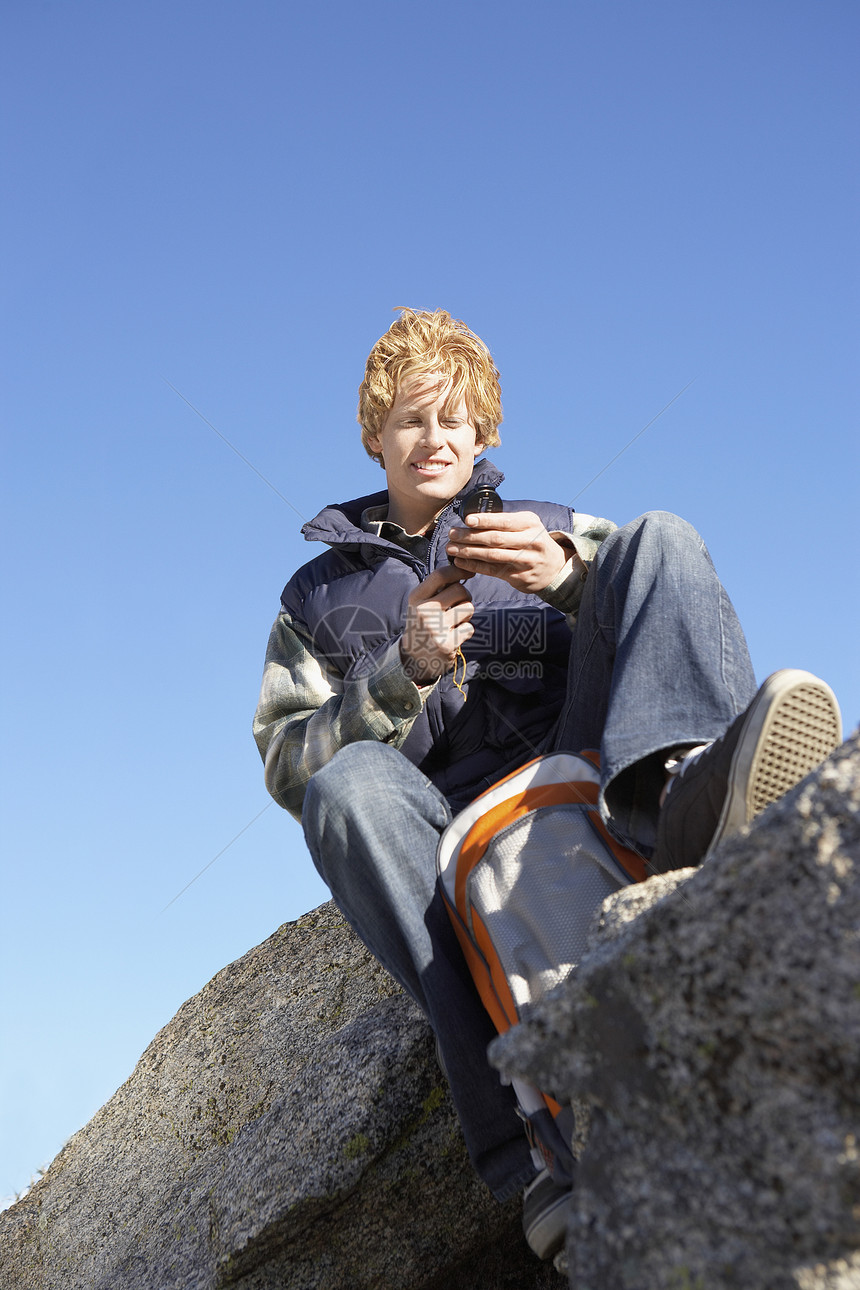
[{"x": 480, "y": 500}]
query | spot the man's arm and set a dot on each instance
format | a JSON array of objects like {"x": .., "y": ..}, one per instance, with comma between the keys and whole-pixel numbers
[{"x": 307, "y": 710}]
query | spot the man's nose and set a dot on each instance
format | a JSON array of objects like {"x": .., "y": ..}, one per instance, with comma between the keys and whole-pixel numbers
[{"x": 431, "y": 432}]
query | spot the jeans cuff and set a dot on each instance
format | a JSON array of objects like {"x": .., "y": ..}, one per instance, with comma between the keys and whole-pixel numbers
[{"x": 515, "y": 1185}]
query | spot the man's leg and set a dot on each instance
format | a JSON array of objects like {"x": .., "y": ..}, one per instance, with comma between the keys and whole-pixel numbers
[
  {"x": 658, "y": 661},
  {"x": 372, "y": 823}
]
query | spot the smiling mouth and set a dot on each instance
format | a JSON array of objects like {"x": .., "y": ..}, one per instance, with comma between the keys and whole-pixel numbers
[{"x": 431, "y": 467}]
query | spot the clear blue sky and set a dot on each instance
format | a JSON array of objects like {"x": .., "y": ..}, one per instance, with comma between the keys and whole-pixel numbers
[{"x": 621, "y": 198}]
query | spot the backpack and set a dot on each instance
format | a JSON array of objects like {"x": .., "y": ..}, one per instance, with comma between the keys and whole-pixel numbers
[{"x": 521, "y": 871}]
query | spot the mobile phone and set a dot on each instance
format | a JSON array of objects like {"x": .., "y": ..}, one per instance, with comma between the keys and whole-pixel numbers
[{"x": 479, "y": 501}]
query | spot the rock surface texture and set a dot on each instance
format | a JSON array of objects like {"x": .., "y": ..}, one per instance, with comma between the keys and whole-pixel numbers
[
  {"x": 288, "y": 1130},
  {"x": 290, "y": 1127},
  {"x": 714, "y": 1032}
]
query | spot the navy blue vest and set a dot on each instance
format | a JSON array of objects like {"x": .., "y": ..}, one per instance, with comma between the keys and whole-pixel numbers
[{"x": 352, "y": 600}]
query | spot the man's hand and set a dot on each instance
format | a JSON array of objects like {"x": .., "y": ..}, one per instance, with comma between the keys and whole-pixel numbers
[
  {"x": 511, "y": 545},
  {"x": 437, "y": 624}
]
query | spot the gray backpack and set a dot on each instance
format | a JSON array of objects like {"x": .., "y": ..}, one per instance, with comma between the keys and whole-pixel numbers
[{"x": 522, "y": 871}]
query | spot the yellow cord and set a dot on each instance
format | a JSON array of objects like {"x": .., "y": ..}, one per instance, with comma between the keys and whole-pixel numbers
[{"x": 459, "y": 657}]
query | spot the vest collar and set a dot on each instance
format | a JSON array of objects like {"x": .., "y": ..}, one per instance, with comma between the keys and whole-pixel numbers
[{"x": 339, "y": 524}]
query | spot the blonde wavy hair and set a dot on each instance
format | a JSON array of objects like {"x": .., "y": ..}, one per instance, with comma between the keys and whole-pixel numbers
[{"x": 421, "y": 343}]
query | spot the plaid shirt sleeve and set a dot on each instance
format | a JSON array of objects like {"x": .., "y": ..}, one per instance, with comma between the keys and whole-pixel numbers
[
  {"x": 565, "y": 590},
  {"x": 308, "y": 710}
]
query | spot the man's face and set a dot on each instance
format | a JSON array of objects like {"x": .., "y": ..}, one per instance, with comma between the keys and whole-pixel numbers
[{"x": 428, "y": 449}]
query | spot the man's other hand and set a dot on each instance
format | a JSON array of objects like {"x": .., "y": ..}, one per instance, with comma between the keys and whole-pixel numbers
[
  {"x": 511, "y": 545},
  {"x": 437, "y": 623}
]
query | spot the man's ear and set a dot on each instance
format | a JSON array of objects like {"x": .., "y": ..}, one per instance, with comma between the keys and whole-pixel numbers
[
  {"x": 374, "y": 443},
  {"x": 479, "y": 446}
]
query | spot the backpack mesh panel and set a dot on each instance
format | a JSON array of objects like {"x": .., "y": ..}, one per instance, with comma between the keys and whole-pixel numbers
[{"x": 537, "y": 888}]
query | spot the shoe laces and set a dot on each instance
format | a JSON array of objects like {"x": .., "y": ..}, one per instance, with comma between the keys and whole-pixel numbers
[{"x": 678, "y": 763}]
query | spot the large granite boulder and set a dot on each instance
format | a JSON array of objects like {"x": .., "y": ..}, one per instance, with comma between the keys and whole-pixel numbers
[
  {"x": 289, "y": 1129},
  {"x": 714, "y": 1035}
]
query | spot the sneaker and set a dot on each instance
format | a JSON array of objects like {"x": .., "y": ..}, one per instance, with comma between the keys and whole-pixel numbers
[
  {"x": 546, "y": 1207},
  {"x": 792, "y": 724}
]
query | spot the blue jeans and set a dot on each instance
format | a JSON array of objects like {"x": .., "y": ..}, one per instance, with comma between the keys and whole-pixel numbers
[{"x": 657, "y": 659}]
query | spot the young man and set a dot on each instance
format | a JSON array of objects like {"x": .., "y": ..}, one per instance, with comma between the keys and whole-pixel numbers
[{"x": 431, "y": 651}]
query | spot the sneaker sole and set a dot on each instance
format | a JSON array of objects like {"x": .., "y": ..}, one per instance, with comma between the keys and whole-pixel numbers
[
  {"x": 792, "y": 725},
  {"x": 546, "y": 1234}
]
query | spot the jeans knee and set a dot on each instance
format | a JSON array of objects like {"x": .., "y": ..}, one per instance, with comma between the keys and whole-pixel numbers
[
  {"x": 345, "y": 780},
  {"x": 660, "y": 531},
  {"x": 668, "y": 526},
  {"x": 345, "y": 788},
  {"x": 671, "y": 529}
]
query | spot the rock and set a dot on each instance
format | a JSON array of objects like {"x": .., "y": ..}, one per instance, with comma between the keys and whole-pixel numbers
[
  {"x": 288, "y": 1128},
  {"x": 714, "y": 1033}
]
